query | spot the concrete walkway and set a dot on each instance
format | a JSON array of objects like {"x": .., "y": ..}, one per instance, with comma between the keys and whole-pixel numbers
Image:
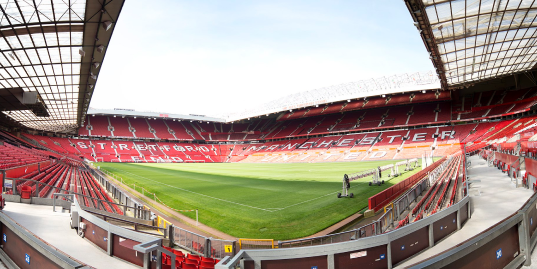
[
  {"x": 54, "y": 228},
  {"x": 494, "y": 198}
]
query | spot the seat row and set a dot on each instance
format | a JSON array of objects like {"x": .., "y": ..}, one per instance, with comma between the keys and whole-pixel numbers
[{"x": 188, "y": 261}]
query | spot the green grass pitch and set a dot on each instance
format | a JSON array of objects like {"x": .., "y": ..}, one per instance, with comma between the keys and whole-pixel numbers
[{"x": 258, "y": 200}]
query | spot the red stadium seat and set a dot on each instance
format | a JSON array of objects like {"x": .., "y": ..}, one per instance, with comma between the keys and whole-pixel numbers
[
  {"x": 207, "y": 264},
  {"x": 194, "y": 257},
  {"x": 204, "y": 259},
  {"x": 189, "y": 266},
  {"x": 190, "y": 261}
]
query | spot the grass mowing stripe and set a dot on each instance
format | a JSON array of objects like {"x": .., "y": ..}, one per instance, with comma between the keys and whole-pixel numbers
[
  {"x": 332, "y": 193},
  {"x": 271, "y": 200},
  {"x": 208, "y": 196}
]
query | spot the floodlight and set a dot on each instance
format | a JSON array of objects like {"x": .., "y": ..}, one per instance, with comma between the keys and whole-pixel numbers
[
  {"x": 114, "y": 116},
  {"x": 93, "y": 76},
  {"x": 384, "y": 95},
  {"x": 107, "y": 25},
  {"x": 90, "y": 86},
  {"x": 81, "y": 52},
  {"x": 96, "y": 64},
  {"x": 423, "y": 91},
  {"x": 100, "y": 48},
  {"x": 135, "y": 117}
]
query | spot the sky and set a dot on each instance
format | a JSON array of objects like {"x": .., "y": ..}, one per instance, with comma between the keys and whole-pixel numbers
[{"x": 215, "y": 57}]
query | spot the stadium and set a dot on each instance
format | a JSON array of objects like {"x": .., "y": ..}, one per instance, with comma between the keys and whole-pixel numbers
[{"x": 426, "y": 169}]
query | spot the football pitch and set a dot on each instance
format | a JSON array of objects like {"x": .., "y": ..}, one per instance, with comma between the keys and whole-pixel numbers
[{"x": 258, "y": 200}]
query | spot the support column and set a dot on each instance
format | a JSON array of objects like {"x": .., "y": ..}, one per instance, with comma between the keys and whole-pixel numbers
[
  {"x": 171, "y": 229},
  {"x": 110, "y": 243},
  {"x": 524, "y": 238},
  {"x": 207, "y": 249},
  {"x": 330, "y": 259},
  {"x": 147, "y": 257},
  {"x": 389, "y": 255},
  {"x": 431, "y": 235},
  {"x": 459, "y": 219},
  {"x": 15, "y": 187}
]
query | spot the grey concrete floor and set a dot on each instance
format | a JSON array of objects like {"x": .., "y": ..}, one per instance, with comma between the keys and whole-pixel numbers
[
  {"x": 494, "y": 198},
  {"x": 54, "y": 228}
]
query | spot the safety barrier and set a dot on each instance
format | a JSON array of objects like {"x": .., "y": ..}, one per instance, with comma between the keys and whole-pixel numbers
[
  {"x": 96, "y": 229},
  {"x": 120, "y": 195},
  {"x": 386, "y": 220},
  {"x": 361, "y": 232},
  {"x": 383, "y": 250},
  {"x": 510, "y": 242},
  {"x": 143, "y": 191},
  {"x": 22, "y": 249},
  {"x": 507, "y": 244},
  {"x": 198, "y": 244},
  {"x": 384, "y": 197},
  {"x": 403, "y": 203},
  {"x": 245, "y": 243},
  {"x": 137, "y": 211},
  {"x": 162, "y": 223},
  {"x": 221, "y": 248},
  {"x": 191, "y": 241},
  {"x": 380, "y": 226}
]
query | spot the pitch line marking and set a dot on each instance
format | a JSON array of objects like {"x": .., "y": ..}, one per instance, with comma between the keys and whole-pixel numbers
[
  {"x": 195, "y": 192},
  {"x": 307, "y": 201},
  {"x": 267, "y": 209}
]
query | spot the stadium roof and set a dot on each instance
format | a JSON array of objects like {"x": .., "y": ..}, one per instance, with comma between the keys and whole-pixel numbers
[
  {"x": 418, "y": 81},
  {"x": 359, "y": 89},
  {"x": 54, "y": 48},
  {"x": 148, "y": 114},
  {"x": 470, "y": 41}
]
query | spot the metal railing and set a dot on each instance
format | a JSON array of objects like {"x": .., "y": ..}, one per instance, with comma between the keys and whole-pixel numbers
[
  {"x": 221, "y": 248},
  {"x": 138, "y": 227},
  {"x": 364, "y": 231},
  {"x": 386, "y": 220},
  {"x": 403, "y": 203},
  {"x": 190, "y": 241},
  {"x": 96, "y": 203},
  {"x": 380, "y": 226}
]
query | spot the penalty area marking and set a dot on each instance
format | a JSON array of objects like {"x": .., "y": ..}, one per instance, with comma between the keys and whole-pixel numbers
[{"x": 223, "y": 200}]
